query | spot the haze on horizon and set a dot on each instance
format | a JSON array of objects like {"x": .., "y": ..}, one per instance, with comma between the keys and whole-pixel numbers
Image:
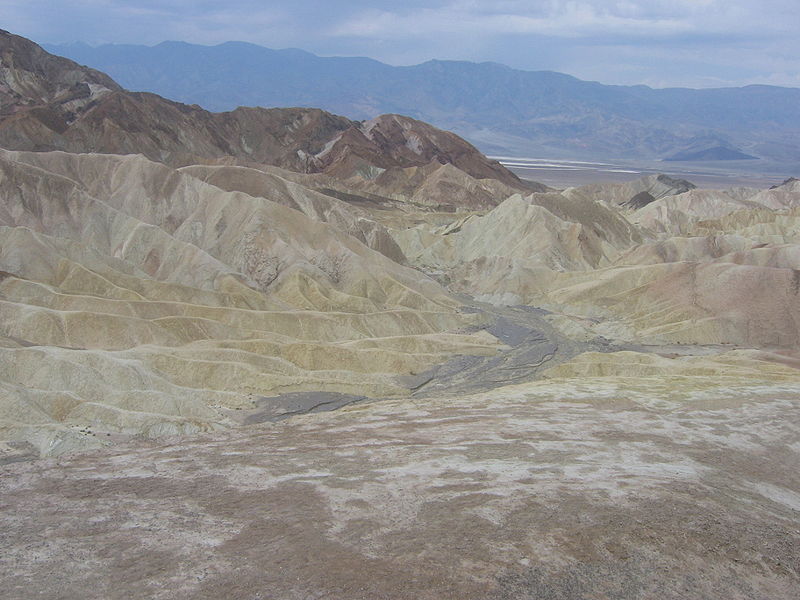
[{"x": 686, "y": 43}]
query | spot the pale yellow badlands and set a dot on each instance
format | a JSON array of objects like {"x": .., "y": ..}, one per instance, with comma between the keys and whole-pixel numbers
[
  {"x": 138, "y": 299},
  {"x": 699, "y": 267}
]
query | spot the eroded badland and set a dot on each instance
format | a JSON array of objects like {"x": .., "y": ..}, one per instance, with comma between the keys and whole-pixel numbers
[{"x": 580, "y": 393}]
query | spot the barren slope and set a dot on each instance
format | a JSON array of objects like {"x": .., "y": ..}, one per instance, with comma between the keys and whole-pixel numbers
[
  {"x": 141, "y": 300},
  {"x": 693, "y": 267},
  {"x": 613, "y": 485}
]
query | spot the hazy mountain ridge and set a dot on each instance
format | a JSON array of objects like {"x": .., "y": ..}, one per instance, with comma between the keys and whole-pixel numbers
[
  {"x": 86, "y": 116},
  {"x": 497, "y": 107}
]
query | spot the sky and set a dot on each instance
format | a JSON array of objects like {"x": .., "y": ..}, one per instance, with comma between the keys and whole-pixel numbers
[{"x": 661, "y": 43}]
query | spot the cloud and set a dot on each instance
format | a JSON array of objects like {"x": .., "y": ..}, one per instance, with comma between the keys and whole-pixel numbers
[
  {"x": 675, "y": 42},
  {"x": 573, "y": 19},
  {"x": 577, "y": 21}
]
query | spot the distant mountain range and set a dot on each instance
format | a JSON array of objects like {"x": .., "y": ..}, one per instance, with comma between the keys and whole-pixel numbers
[
  {"x": 500, "y": 109},
  {"x": 50, "y": 103}
]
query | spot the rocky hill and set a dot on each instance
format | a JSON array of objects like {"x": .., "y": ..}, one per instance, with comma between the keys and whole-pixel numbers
[
  {"x": 688, "y": 266},
  {"x": 80, "y": 110},
  {"x": 500, "y": 109},
  {"x": 158, "y": 303}
]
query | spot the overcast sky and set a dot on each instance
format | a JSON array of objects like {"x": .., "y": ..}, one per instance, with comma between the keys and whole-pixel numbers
[{"x": 695, "y": 43}]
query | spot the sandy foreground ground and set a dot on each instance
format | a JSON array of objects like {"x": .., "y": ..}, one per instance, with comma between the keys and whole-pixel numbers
[{"x": 594, "y": 488}]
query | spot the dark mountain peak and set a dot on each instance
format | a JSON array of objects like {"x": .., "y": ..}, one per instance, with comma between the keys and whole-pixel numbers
[
  {"x": 235, "y": 44},
  {"x": 26, "y": 60},
  {"x": 164, "y": 44},
  {"x": 415, "y": 142},
  {"x": 788, "y": 182},
  {"x": 711, "y": 153},
  {"x": 678, "y": 186},
  {"x": 638, "y": 201},
  {"x": 709, "y": 147},
  {"x": 32, "y": 77}
]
